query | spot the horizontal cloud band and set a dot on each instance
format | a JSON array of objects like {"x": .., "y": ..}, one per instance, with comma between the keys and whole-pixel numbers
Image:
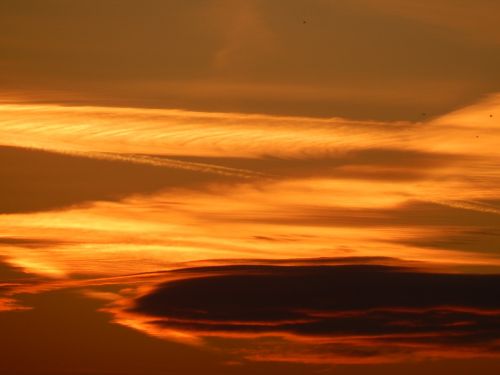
[{"x": 401, "y": 310}]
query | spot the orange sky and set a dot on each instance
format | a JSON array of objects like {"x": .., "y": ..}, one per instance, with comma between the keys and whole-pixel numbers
[{"x": 149, "y": 150}]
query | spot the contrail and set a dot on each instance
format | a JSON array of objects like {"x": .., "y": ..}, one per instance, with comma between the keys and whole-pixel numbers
[
  {"x": 164, "y": 163},
  {"x": 468, "y": 205}
]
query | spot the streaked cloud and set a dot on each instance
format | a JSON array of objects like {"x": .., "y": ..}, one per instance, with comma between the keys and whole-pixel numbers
[
  {"x": 181, "y": 186},
  {"x": 249, "y": 186}
]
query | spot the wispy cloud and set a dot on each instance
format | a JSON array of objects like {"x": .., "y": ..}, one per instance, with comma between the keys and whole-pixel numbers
[{"x": 124, "y": 197}]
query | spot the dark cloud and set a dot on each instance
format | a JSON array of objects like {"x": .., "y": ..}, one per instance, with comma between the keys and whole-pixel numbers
[
  {"x": 452, "y": 228},
  {"x": 372, "y": 309},
  {"x": 321, "y": 288},
  {"x": 326, "y": 261},
  {"x": 463, "y": 229},
  {"x": 9, "y": 273},
  {"x": 32, "y": 243},
  {"x": 484, "y": 240},
  {"x": 412, "y": 214}
]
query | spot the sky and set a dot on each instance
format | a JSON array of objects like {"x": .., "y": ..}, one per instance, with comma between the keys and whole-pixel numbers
[{"x": 240, "y": 187}]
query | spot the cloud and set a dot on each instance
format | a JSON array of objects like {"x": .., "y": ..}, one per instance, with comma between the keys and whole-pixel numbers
[
  {"x": 31, "y": 243},
  {"x": 351, "y": 313},
  {"x": 339, "y": 188},
  {"x": 9, "y": 304}
]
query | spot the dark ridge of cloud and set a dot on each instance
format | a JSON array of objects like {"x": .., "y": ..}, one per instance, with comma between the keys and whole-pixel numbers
[
  {"x": 421, "y": 213},
  {"x": 34, "y": 180},
  {"x": 336, "y": 309},
  {"x": 413, "y": 213},
  {"x": 476, "y": 240},
  {"x": 226, "y": 265},
  {"x": 281, "y": 290},
  {"x": 9, "y": 273},
  {"x": 32, "y": 243},
  {"x": 433, "y": 214},
  {"x": 467, "y": 230},
  {"x": 443, "y": 325}
]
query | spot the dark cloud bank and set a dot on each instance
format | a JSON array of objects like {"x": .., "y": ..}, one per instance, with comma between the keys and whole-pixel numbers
[{"x": 335, "y": 312}]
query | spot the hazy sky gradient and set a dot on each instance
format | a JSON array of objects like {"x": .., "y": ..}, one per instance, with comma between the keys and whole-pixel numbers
[{"x": 360, "y": 59}]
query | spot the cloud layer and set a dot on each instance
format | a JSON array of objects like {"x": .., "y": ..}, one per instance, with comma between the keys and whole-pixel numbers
[{"x": 336, "y": 313}]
